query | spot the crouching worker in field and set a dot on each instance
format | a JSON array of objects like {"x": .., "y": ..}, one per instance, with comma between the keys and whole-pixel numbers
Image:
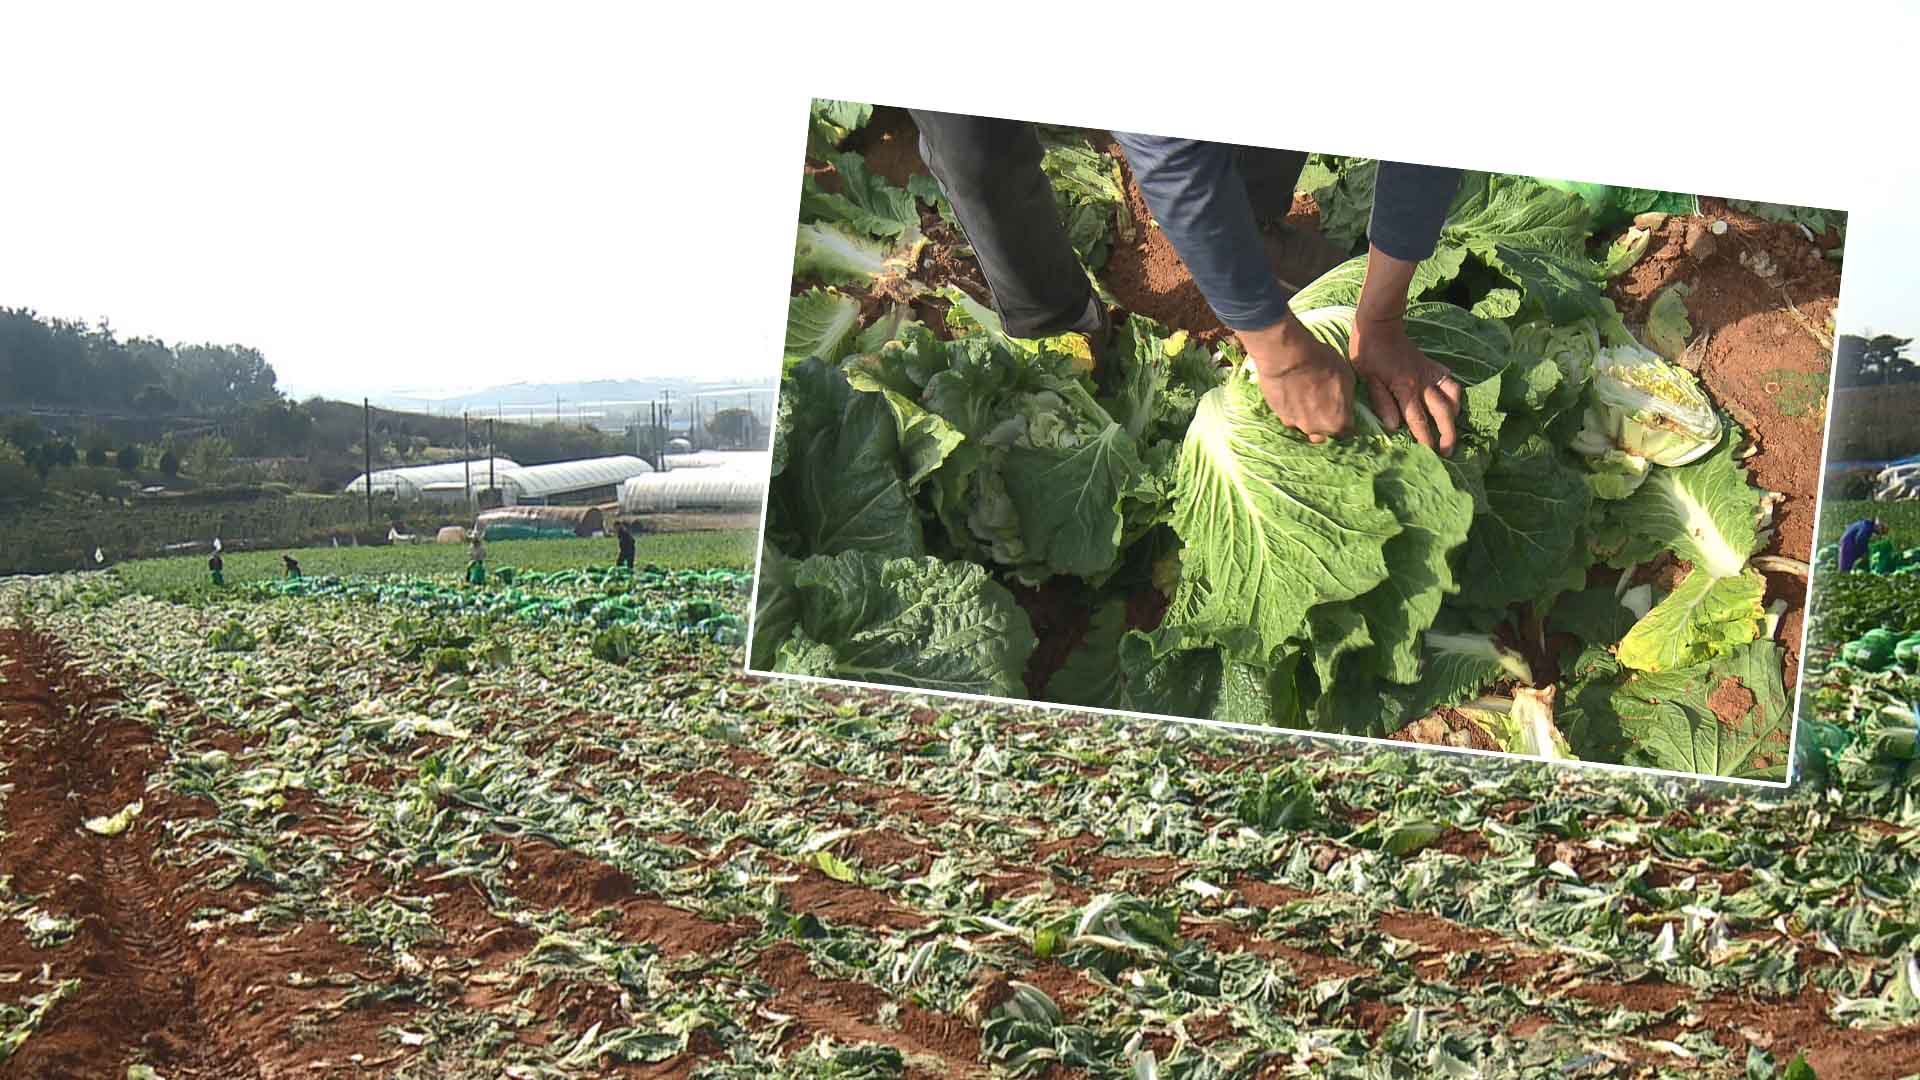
[
  {"x": 1223, "y": 208},
  {"x": 477, "y": 562},
  {"x": 293, "y": 566},
  {"x": 625, "y": 562},
  {"x": 217, "y": 569},
  {"x": 1856, "y": 540}
]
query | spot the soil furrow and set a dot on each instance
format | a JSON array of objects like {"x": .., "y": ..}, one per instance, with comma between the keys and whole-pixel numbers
[{"x": 69, "y": 761}]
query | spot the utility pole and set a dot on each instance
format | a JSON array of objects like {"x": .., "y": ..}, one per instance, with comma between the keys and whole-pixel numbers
[
  {"x": 657, "y": 435},
  {"x": 466, "y": 456},
  {"x": 491, "y": 455},
  {"x": 366, "y": 406}
]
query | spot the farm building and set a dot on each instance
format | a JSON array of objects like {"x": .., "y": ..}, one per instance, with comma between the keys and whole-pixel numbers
[
  {"x": 589, "y": 480},
  {"x": 721, "y": 481},
  {"x": 445, "y": 481}
]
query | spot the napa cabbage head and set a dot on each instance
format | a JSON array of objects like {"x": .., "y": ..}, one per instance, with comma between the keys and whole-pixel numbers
[
  {"x": 1641, "y": 405},
  {"x": 1047, "y": 420},
  {"x": 1049, "y": 473},
  {"x": 1573, "y": 347},
  {"x": 1616, "y": 474}
]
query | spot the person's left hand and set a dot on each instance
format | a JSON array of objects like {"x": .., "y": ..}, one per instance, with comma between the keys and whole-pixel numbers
[{"x": 1405, "y": 384}]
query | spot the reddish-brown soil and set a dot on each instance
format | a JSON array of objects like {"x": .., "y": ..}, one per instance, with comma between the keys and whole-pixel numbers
[
  {"x": 814, "y": 893},
  {"x": 710, "y": 788},
  {"x": 849, "y": 1012},
  {"x": 1763, "y": 344},
  {"x": 552, "y": 877},
  {"x": 190, "y": 1005},
  {"x": 878, "y": 850},
  {"x": 1731, "y": 702}
]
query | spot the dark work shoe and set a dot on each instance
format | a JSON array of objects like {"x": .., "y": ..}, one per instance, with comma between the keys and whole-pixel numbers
[
  {"x": 1101, "y": 336},
  {"x": 1299, "y": 255}
]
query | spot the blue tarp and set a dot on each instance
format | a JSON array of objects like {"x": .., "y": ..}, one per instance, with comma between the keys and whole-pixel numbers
[{"x": 1869, "y": 466}]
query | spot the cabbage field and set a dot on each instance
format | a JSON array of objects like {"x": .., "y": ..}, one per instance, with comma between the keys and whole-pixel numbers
[
  {"x": 275, "y": 833},
  {"x": 1586, "y": 577},
  {"x": 1863, "y": 664}
]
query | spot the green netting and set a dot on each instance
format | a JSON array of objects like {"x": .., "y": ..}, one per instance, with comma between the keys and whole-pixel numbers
[
  {"x": 1872, "y": 651},
  {"x": 528, "y": 531},
  {"x": 1882, "y": 558}
]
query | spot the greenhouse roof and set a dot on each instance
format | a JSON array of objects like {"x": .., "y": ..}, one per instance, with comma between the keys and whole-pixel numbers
[
  {"x": 560, "y": 477},
  {"x": 731, "y": 487},
  {"x": 441, "y": 472},
  {"x": 750, "y": 460}
]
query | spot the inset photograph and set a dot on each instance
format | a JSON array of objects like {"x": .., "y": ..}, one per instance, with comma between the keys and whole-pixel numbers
[
  {"x": 1296, "y": 441},
  {"x": 1860, "y": 699}
]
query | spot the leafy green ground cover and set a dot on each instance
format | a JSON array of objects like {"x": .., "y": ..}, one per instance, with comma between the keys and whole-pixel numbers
[
  {"x": 554, "y": 864},
  {"x": 1901, "y": 516},
  {"x": 186, "y": 577},
  {"x": 63, "y": 534}
]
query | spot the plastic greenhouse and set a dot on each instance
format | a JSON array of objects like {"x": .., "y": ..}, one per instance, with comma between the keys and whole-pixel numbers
[
  {"x": 412, "y": 482},
  {"x": 735, "y": 487},
  {"x": 577, "y": 480},
  {"x": 761, "y": 460}
]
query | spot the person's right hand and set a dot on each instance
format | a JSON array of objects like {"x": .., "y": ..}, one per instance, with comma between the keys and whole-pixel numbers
[{"x": 1307, "y": 383}]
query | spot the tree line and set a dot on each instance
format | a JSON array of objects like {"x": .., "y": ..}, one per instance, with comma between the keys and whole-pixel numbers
[
  {"x": 1879, "y": 360},
  {"x": 63, "y": 363},
  {"x": 114, "y": 410}
]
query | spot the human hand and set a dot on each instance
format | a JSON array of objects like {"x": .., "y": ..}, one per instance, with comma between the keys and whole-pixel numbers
[
  {"x": 1405, "y": 384},
  {"x": 1304, "y": 381}
]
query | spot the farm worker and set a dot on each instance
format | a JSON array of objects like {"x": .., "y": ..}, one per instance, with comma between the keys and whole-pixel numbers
[
  {"x": 626, "y": 547},
  {"x": 1211, "y": 200},
  {"x": 218, "y": 569},
  {"x": 293, "y": 566},
  {"x": 1854, "y": 542},
  {"x": 477, "y": 562}
]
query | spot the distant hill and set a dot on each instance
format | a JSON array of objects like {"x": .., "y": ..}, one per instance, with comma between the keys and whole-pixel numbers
[{"x": 534, "y": 396}]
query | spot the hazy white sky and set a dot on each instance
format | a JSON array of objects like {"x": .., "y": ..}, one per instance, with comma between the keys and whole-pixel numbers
[
  {"x": 1879, "y": 286},
  {"x": 431, "y": 195},
  {"x": 425, "y": 198}
]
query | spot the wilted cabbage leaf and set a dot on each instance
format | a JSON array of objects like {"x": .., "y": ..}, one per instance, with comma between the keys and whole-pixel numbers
[{"x": 1643, "y": 405}]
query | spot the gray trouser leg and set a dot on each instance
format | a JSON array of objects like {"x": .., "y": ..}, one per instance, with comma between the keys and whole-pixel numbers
[
  {"x": 989, "y": 170},
  {"x": 1270, "y": 176}
]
